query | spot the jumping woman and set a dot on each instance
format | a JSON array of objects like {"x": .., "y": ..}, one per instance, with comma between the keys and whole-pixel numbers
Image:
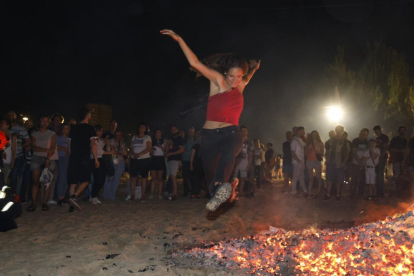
[{"x": 221, "y": 140}]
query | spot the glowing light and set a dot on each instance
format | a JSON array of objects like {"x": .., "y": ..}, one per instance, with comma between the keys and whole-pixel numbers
[
  {"x": 334, "y": 113},
  {"x": 25, "y": 119}
]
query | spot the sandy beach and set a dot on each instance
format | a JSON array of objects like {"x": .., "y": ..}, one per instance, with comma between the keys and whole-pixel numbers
[{"x": 123, "y": 238}]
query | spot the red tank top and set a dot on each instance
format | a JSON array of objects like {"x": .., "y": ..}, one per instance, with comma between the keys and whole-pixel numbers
[{"x": 225, "y": 107}]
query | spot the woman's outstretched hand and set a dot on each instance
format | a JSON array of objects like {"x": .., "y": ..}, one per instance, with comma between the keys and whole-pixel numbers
[
  {"x": 170, "y": 33},
  {"x": 254, "y": 64}
]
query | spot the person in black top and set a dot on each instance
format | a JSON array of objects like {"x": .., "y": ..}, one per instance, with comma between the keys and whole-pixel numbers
[
  {"x": 287, "y": 168},
  {"x": 382, "y": 144},
  {"x": 111, "y": 133},
  {"x": 397, "y": 147},
  {"x": 79, "y": 169}
]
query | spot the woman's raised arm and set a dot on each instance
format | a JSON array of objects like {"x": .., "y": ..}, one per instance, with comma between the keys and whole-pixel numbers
[{"x": 209, "y": 73}]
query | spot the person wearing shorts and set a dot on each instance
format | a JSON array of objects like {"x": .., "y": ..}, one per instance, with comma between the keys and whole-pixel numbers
[
  {"x": 140, "y": 164},
  {"x": 371, "y": 158},
  {"x": 174, "y": 155},
  {"x": 44, "y": 155},
  {"x": 157, "y": 163},
  {"x": 79, "y": 169},
  {"x": 244, "y": 161}
]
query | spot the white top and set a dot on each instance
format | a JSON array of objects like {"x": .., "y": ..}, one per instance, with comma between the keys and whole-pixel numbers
[
  {"x": 100, "y": 144},
  {"x": 369, "y": 161},
  {"x": 298, "y": 146},
  {"x": 8, "y": 152},
  {"x": 157, "y": 151},
  {"x": 44, "y": 140},
  {"x": 258, "y": 156},
  {"x": 139, "y": 145}
]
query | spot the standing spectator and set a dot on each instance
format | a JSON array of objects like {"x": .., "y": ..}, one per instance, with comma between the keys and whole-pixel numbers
[
  {"x": 258, "y": 156},
  {"x": 112, "y": 183},
  {"x": 337, "y": 154},
  {"x": 270, "y": 159},
  {"x": 63, "y": 145},
  {"x": 405, "y": 188},
  {"x": 158, "y": 163},
  {"x": 382, "y": 144},
  {"x": 189, "y": 142},
  {"x": 371, "y": 159},
  {"x": 314, "y": 157},
  {"x": 57, "y": 120},
  {"x": 111, "y": 133},
  {"x": 27, "y": 181},
  {"x": 398, "y": 145},
  {"x": 348, "y": 165},
  {"x": 79, "y": 169},
  {"x": 197, "y": 171},
  {"x": 45, "y": 154},
  {"x": 244, "y": 161},
  {"x": 359, "y": 146},
  {"x": 140, "y": 159},
  {"x": 23, "y": 141},
  {"x": 97, "y": 163},
  {"x": 287, "y": 168},
  {"x": 9, "y": 153},
  {"x": 297, "y": 147},
  {"x": 174, "y": 155}
]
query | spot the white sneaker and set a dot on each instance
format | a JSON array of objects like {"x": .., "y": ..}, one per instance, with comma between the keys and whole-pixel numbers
[
  {"x": 94, "y": 200},
  {"x": 97, "y": 200},
  {"x": 128, "y": 198},
  {"x": 151, "y": 196},
  {"x": 52, "y": 202}
]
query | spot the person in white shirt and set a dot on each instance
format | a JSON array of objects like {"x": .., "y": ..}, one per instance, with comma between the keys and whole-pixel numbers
[
  {"x": 45, "y": 154},
  {"x": 371, "y": 159},
  {"x": 297, "y": 146},
  {"x": 158, "y": 163},
  {"x": 141, "y": 145}
]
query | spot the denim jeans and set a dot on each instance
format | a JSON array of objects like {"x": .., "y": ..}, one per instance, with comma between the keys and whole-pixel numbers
[
  {"x": 112, "y": 183},
  {"x": 27, "y": 183},
  {"x": 16, "y": 175},
  {"x": 186, "y": 176},
  {"x": 357, "y": 181},
  {"x": 380, "y": 176},
  {"x": 219, "y": 148},
  {"x": 62, "y": 177}
]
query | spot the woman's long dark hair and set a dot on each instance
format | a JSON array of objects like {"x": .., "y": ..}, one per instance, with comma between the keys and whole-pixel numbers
[
  {"x": 222, "y": 63},
  {"x": 154, "y": 138}
]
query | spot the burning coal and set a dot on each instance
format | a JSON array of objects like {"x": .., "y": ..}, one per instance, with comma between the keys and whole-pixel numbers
[{"x": 379, "y": 248}]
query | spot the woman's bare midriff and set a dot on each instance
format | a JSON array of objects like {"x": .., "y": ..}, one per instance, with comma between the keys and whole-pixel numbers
[{"x": 214, "y": 125}]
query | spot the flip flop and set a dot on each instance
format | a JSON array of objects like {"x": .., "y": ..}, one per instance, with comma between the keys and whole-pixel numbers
[{"x": 222, "y": 194}]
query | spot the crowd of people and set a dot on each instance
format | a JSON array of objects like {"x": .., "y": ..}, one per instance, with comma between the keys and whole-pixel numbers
[
  {"x": 83, "y": 159},
  {"x": 361, "y": 162}
]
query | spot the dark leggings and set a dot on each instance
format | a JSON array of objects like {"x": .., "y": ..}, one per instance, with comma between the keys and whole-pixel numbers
[
  {"x": 219, "y": 147},
  {"x": 99, "y": 176}
]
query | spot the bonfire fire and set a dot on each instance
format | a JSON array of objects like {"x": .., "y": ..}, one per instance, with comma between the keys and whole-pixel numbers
[{"x": 380, "y": 248}]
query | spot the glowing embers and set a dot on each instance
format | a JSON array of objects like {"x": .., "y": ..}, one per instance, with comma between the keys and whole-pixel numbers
[{"x": 380, "y": 248}]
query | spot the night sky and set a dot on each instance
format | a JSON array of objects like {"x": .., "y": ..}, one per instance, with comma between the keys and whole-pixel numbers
[{"x": 59, "y": 55}]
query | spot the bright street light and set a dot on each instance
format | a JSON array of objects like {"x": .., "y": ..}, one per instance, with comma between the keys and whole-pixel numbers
[
  {"x": 334, "y": 113},
  {"x": 25, "y": 119}
]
